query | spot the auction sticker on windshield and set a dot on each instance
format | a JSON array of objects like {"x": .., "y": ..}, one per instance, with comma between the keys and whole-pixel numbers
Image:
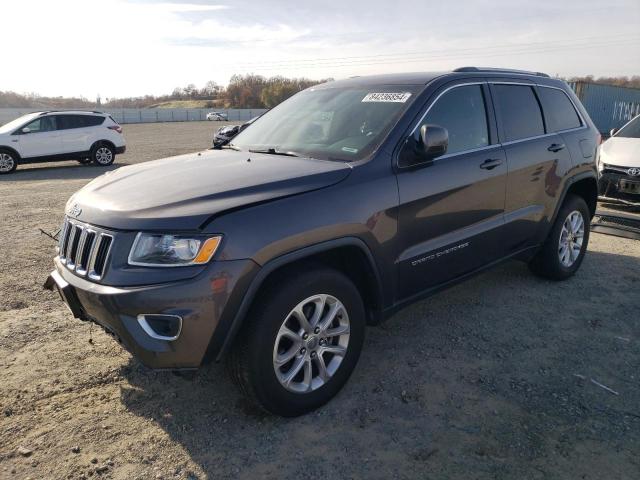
[{"x": 399, "y": 97}]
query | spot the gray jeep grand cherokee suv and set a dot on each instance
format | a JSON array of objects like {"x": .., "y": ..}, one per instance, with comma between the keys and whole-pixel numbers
[{"x": 335, "y": 209}]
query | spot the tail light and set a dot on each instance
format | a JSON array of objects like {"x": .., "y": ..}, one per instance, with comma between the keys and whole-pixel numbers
[
  {"x": 599, "y": 139},
  {"x": 117, "y": 128}
]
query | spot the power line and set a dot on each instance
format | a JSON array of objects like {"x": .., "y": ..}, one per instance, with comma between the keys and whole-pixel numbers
[
  {"x": 461, "y": 56},
  {"x": 484, "y": 51}
]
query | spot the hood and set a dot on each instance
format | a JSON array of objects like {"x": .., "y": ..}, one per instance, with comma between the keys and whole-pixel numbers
[
  {"x": 184, "y": 192},
  {"x": 621, "y": 151}
]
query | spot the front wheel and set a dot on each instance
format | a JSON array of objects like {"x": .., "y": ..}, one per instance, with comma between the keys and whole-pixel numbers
[
  {"x": 301, "y": 342},
  {"x": 103, "y": 155},
  {"x": 8, "y": 162},
  {"x": 563, "y": 251}
]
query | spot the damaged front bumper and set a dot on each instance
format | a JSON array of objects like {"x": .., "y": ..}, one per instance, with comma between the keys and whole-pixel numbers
[
  {"x": 619, "y": 188},
  {"x": 176, "y": 325}
]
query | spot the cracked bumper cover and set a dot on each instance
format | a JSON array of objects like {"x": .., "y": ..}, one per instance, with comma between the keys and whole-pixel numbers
[{"x": 207, "y": 305}]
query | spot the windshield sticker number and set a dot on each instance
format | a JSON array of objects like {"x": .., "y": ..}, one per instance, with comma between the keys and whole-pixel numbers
[
  {"x": 397, "y": 97},
  {"x": 349, "y": 149}
]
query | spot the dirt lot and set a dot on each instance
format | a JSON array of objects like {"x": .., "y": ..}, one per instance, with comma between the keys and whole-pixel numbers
[{"x": 505, "y": 376}]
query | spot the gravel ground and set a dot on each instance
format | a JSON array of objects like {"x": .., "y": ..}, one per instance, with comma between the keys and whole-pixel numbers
[{"x": 504, "y": 376}]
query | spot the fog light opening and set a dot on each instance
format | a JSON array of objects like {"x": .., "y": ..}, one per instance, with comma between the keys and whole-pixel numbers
[{"x": 160, "y": 326}]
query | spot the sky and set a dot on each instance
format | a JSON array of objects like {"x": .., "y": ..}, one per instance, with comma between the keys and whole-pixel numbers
[{"x": 121, "y": 48}]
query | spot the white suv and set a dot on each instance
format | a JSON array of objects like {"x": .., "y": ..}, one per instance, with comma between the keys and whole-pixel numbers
[{"x": 60, "y": 135}]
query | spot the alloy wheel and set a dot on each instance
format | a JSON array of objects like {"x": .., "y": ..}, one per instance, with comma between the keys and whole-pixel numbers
[
  {"x": 311, "y": 343},
  {"x": 6, "y": 162},
  {"x": 104, "y": 155},
  {"x": 571, "y": 238}
]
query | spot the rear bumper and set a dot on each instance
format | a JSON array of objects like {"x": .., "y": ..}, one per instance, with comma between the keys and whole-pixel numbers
[
  {"x": 121, "y": 150},
  {"x": 206, "y": 304}
]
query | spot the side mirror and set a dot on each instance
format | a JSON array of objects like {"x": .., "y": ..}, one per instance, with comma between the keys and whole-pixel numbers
[
  {"x": 613, "y": 131},
  {"x": 26, "y": 130},
  {"x": 432, "y": 142}
]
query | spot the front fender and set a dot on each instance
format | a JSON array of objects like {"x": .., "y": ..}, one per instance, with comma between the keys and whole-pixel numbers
[{"x": 231, "y": 323}]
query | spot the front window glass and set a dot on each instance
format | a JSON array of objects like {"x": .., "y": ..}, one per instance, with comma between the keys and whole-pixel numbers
[
  {"x": 42, "y": 124},
  {"x": 631, "y": 129},
  {"x": 330, "y": 123},
  {"x": 462, "y": 112}
]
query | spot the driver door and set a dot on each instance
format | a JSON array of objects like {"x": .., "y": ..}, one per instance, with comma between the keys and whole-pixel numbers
[
  {"x": 42, "y": 139},
  {"x": 452, "y": 207}
]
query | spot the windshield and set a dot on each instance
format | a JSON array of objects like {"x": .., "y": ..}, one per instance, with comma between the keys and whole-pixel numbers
[
  {"x": 12, "y": 125},
  {"x": 329, "y": 123},
  {"x": 631, "y": 129}
]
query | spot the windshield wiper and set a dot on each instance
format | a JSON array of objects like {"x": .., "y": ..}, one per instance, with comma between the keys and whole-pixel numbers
[
  {"x": 232, "y": 147},
  {"x": 273, "y": 151}
]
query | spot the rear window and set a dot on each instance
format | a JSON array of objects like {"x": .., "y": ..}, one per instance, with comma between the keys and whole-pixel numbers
[
  {"x": 66, "y": 122},
  {"x": 519, "y": 110},
  {"x": 558, "y": 109}
]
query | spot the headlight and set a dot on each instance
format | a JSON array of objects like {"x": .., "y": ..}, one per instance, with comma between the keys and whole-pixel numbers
[{"x": 163, "y": 250}]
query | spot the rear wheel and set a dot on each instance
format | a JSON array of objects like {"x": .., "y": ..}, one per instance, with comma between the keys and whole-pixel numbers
[
  {"x": 103, "y": 154},
  {"x": 8, "y": 162},
  {"x": 301, "y": 342},
  {"x": 563, "y": 251}
]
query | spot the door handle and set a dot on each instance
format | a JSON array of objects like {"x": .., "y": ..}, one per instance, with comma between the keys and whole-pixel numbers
[
  {"x": 556, "y": 147},
  {"x": 491, "y": 163}
]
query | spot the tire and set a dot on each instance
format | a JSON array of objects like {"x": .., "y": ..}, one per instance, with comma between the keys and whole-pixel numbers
[
  {"x": 85, "y": 161},
  {"x": 103, "y": 154},
  {"x": 260, "y": 345},
  {"x": 563, "y": 251},
  {"x": 8, "y": 162}
]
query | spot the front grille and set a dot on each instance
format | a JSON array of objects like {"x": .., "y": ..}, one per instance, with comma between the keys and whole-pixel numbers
[
  {"x": 606, "y": 168},
  {"x": 83, "y": 249}
]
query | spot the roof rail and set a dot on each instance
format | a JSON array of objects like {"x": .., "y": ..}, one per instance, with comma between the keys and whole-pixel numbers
[
  {"x": 71, "y": 110},
  {"x": 500, "y": 70}
]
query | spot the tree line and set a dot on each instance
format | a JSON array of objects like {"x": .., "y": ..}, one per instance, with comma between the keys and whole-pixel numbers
[
  {"x": 243, "y": 91},
  {"x": 629, "y": 82}
]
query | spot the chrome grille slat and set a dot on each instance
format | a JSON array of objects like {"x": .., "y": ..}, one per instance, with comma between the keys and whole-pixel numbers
[
  {"x": 63, "y": 237},
  {"x": 84, "y": 250},
  {"x": 72, "y": 236},
  {"x": 80, "y": 249},
  {"x": 87, "y": 248}
]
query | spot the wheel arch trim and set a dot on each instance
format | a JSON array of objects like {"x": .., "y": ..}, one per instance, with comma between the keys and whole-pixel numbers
[
  {"x": 284, "y": 260},
  {"x": 12, "y": 150},
  {"x": 570, "y": 183},
  {"x": 97, "y": 143}
]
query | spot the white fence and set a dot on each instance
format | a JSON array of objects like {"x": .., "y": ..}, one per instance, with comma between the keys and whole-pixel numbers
[{"x": 151, "y": 115}]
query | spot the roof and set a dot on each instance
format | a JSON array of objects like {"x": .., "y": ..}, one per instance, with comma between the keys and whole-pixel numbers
[
  {"x": 415, "y": 78},
  {"x": 422, "y": 78}
]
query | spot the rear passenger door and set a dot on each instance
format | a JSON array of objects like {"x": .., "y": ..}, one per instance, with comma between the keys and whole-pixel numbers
[
  {"x": 537, "y": 159},
  {"x": 451, "y": 208},
  {"x": 77, "y": 131}
]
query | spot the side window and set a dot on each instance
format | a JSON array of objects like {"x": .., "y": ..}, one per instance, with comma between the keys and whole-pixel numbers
[
  {"x": 42, "y": 124},
  {"x": 78, "y": 121},
  {"x": 65, "y": 122},
  {"x": 462, "y": 112},
  {"x": 558, "y": 109},
  {"x": 519, "y": 110},
  {"x": 91, "y": 120}
]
